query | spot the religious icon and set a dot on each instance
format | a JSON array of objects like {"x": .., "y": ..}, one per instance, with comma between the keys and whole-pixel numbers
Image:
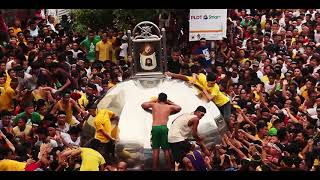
[{"x": 148, "y": 60}]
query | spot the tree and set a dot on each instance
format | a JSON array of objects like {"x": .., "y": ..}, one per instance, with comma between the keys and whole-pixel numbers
[
  {"x": 93, "y": 18},
  {"x": 122, "y": 19},
  {"x": 133, "y": 16}
]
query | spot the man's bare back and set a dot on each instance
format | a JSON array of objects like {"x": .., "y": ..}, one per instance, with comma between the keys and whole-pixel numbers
[
  {"x": 160, "y": 113},
  {"x": 161, "y": 109}
]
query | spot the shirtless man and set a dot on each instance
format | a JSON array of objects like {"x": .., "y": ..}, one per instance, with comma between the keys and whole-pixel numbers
[{"x": 161, "y": 109}]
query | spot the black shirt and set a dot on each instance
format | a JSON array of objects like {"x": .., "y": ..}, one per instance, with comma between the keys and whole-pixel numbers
[{"x": 174, "y": 66}]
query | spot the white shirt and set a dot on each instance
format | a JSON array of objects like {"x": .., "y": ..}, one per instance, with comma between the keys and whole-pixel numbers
[
  {"x": 312, "y": 111},
  {"x": 28, "y": 70},
  {"x": 299, "y": 27},
  {"x": 99, "y": 88},
  {"x": 75, "y": 143},
  {"x": 34, "y": 33},
  {"x": 52, "y": 27},
  {"x": 282, "y": 23},
  {"x": 284, "y": 68},
  {"x": 52, "y": 142},
  {"x": 88, "y": 71},
  {"x": 66, "y": 137},
  {"x": 316, "y": 36},
  {"x": 268, "y": 87},
  {"x": 124, "y": 49},
  {"x": 179, "y": 130},
  {"x": 75, "y": 53},
  {"x": 235, "y": 80},
  {"x": 8, "y": 65},
  {"x": 66, "y": 128},
  {"x": 259, "y": 74},
  {"x": 316, "y": 69},
  {"x": 296, "y": 13}
]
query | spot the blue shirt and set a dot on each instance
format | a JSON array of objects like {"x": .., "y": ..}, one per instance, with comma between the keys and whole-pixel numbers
[{"x": 206, "y": 61}]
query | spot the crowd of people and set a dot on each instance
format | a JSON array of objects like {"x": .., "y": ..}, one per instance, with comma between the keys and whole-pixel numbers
[{"x": 264, "y": 78}]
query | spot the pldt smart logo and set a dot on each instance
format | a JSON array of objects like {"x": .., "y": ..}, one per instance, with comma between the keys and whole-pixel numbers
[{"x": 204, "y": 17}]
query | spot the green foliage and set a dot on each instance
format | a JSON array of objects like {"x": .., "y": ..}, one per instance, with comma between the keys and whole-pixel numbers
[
  {"x": 122, "y": 16},
  {"x": 103, "y": 18},
  {"x": 93, "y": 18}
]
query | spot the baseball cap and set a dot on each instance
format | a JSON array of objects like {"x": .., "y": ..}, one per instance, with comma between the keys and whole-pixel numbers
[
  {"x": 256, "y": 63},
  {"x": 277, "y": 66},
  {"x": 255, "y": 40},
  {"x": 288, "y": 73},
  {"x": 125, "y": 38},
  {"x": 272, "y": 132}
]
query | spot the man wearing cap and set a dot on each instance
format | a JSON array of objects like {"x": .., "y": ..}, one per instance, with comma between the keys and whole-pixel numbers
[
  {"x": 124, "y": 46},
  {"x": 255, "y": 67}
]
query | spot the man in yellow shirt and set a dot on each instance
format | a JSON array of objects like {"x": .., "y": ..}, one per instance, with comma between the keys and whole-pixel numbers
[
  {"x": 104, "y": 49},
  {"x": 103, "y": 135},
  {"x": 12, "y": 165},
  {"x": 22, "y": 130},
  {"x": 6, "y": 164},
  {"x": 16, "y": 27},
  {"x": 310, "y": 85},
  {"x": 92, "y": 160},
  {"x": 213, "y": 93},
  {"x": 6, "y": 94}
]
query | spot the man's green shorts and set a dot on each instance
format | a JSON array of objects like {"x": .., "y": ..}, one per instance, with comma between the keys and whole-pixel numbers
[{"x": 159, "y": 137}]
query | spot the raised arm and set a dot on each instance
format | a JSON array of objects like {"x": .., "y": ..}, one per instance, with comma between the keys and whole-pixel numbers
[
  {"x": 10, "y": 145},
  {"x": 177, "y": 76},
  {"x": 245, "y": 117},
  {"x": 294, "y": 119},
  {"x": 147, "y": 105},
  {"x": 68, "y": 83},
  {"x": 247, "y": 135},
  {"x": 72, "y": 152},
  {"x": 208, "y": 95},
  {"x": 195, "y": 123},
  {"x": 174, "y": 107},
  {"x": 77, "y": 107},
  {"x": 54, "y": 109},
  {"x": 240, "y": 153},
  {"x": 284, "y": 88}
]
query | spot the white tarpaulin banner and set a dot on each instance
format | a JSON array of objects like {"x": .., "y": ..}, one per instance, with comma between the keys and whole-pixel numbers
[{"x": 207, "y": 23}]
